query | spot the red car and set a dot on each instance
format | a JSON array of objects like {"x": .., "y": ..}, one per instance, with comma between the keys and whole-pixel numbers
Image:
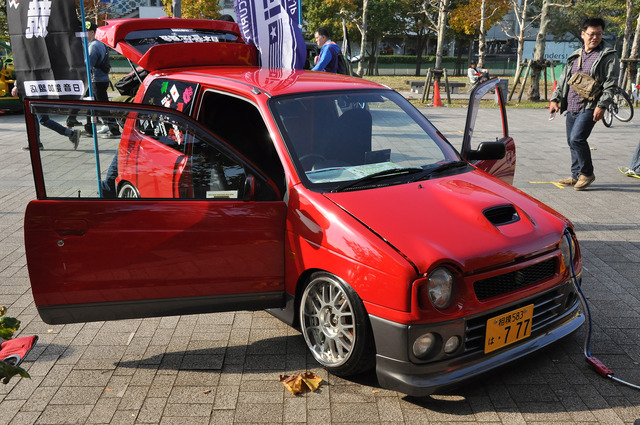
[{"x": 327, "y": 199}]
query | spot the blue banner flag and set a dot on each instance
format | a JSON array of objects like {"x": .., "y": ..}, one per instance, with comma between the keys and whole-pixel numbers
[
  {"x": 273, "y": 27},
  {"x": 47, "y": 51}
]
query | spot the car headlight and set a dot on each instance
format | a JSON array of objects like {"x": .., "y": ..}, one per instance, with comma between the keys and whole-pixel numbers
[
  {"x": 440, "y": 287},
  {"x": 424, "y": 344},
  {"x": 567, "y": 250}
]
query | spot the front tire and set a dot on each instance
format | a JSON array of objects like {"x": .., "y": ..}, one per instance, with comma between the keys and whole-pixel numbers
[
  {"x": 624, "y": 110},
  {"x": 335, "y": 326},
  {"x": 607, "y": 118}
]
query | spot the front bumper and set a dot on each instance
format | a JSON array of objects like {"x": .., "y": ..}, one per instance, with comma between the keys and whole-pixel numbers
[{"x": 397, "y": 372}]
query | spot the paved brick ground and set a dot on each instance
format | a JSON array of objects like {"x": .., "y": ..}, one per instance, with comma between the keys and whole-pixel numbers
[{"x": 224, "y": 368}]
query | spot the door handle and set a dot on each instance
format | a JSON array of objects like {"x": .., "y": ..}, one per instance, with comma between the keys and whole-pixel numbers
[{"x": 71, "y": 227}]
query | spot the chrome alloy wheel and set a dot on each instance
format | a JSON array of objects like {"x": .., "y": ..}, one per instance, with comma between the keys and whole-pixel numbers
[
  {"x": 128, "y": 191},
  {"x": 328, "y": 320}
]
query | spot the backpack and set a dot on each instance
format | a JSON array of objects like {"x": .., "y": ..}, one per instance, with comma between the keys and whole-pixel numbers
[
  {"x": 129, "y": 84},
  {"x": 342, "y": 65}
]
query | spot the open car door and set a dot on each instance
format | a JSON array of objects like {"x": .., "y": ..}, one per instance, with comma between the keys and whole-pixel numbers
[
  {"x": 200, "y": 248},
  {"x": 482, "y": 148}
]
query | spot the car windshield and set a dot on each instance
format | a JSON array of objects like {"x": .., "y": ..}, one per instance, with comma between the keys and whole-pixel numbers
[{"x": 353, "y": 140}]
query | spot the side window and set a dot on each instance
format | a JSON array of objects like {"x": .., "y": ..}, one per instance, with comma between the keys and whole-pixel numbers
[
  {"x": 166, "y": 133},
  {"x": 239, "y": 124},
  {"x": 215, "y": 175},
  {"x": 172, "y": 94},
  {"x": 140, "y": 165}
]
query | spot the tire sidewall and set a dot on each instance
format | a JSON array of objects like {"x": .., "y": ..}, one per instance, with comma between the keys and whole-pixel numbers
[{"x": 362, "y": 356}]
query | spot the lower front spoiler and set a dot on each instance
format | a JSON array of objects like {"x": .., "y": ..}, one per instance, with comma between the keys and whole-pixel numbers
[{"x": 420, "y": 380}]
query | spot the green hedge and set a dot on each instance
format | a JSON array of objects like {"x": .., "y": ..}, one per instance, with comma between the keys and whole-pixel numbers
[{"x": 397, "y": 59}]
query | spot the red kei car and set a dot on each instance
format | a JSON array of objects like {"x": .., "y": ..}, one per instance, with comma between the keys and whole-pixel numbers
[{"x": 329, "y": 200}]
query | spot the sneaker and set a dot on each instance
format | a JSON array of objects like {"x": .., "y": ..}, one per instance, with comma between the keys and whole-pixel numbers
[
  {"x": 569, "y": 181},
  {"x": 103, "y": 129},
  {"x": 72, "y": 122},
  {"x": 74, "y": 138},
  {"x": 629, "y": 172},
  {"x": 584, "y": 182}
]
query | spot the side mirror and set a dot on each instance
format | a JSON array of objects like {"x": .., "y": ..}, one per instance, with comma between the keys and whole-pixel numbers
[
  {"x": 249, "y": 189},
  {"x": 487, "y": 151}
]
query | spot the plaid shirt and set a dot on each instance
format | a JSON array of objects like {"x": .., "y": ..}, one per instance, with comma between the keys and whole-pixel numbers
[{"x": 574, "y": 102}]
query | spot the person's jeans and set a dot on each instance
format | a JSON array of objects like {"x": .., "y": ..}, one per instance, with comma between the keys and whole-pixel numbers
[
  {"x": 108, "y": 185},
  {"x": 579, "y": 126},
  {"x": 635, "y": 160},
  {"x": 54, "y": 125}
]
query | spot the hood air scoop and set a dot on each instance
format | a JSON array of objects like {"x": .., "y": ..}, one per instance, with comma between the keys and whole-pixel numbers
[{"x": 500, "y": 215}]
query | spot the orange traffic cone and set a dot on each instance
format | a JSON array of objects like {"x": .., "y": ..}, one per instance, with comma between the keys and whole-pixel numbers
[{"x": 436, "y": 94}]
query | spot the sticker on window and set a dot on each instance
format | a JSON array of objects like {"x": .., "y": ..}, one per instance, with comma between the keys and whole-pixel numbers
[{"x": 222, "y": 194}]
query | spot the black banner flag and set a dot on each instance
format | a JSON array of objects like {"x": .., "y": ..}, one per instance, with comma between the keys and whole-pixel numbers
[{"x": 47, "y": 52}]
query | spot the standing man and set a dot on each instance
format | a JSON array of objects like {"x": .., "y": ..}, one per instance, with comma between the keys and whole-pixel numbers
[
  {"x": 328, "y": 59},
  {"x": 601, "y": 63},
  {"x": 99, "y": 64}
]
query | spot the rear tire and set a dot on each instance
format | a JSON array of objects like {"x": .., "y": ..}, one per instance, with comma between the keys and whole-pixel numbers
[
  {"x": 335, "y": 326},
  {"x": 127, "y": 190}
]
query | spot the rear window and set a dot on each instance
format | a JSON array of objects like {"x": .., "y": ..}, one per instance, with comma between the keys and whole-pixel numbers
[{"x": 143, "y": 40}]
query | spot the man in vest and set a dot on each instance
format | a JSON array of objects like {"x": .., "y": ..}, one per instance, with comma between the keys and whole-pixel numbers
[
  {"x": 600, "y": 62},
  {"x": 328, "y": 59}
]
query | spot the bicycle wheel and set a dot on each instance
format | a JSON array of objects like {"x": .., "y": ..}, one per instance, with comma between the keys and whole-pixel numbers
[
  {"x": 607, "y": 119},
  {"x": 624, "y": 111}
]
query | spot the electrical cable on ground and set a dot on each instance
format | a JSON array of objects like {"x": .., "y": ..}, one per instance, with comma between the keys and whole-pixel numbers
[{"x": 596, "y": 364}]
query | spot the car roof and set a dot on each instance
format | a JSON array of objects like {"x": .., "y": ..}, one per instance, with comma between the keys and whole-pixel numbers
[{"x": 273, "y": 82}]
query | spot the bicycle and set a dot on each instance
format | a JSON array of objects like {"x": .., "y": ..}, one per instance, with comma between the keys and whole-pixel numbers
[{"x": 621, "y": 108}]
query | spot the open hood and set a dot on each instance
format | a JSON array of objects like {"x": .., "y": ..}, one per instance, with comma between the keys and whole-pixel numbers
[{"x": 163, "y": 43}]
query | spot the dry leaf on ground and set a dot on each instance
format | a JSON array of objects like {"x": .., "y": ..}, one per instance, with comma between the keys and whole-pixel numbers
[{"x": 301, "y": 382}]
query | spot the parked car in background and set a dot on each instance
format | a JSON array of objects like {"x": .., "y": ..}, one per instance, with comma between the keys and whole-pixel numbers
[
  {"x": 328, "y": 200},
  {"x": 8, "y": 103}
]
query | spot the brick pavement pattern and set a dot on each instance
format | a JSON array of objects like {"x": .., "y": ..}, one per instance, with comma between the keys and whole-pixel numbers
[{"x": 223, "y": 368}]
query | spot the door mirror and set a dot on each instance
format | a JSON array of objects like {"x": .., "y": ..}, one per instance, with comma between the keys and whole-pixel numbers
[{"x": 487, "y": 151}]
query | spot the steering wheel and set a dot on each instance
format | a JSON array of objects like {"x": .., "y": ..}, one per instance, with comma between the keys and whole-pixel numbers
[{"x": 309, "y": 159}]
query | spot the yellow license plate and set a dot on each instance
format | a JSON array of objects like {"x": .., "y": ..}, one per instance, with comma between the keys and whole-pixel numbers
[{"x": 508, "y": 328}]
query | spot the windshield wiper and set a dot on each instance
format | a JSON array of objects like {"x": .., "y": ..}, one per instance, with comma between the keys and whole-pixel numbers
[
  {"x": 392, "y": 172},
  {"x": 442, "y": 167}
]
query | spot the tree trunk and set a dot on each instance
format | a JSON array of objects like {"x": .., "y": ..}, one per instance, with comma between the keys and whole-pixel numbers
[
  {"x": 481, "y": 36},
  {"x": 522, "y": 23},
  {"x": 627, "y": 40},
  {"x": 442, "y": 26},
  {"x": 635, "y": 48},
  {"x": 459, "y": 66},
  {"x": 471, "y": 58},
  {"x": 363, "y": 42},
  {"x": 538, "y": 54},
  {"x": 421, "y": 39},
  {"x": 372, "y": 69}
]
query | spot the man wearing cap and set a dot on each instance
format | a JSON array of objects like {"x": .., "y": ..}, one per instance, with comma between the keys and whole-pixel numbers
[{"x": 99, "y": 77}]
